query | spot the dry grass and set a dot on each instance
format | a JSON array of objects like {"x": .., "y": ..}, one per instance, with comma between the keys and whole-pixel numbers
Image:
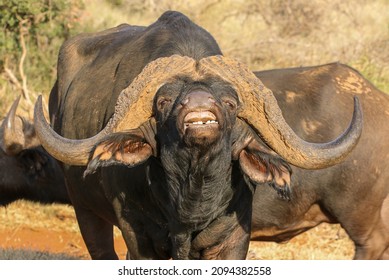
[
  {"x": 53, "y": 217},
  {"x": 325, "y": 242},
  {"x": 277, "y": 33}
]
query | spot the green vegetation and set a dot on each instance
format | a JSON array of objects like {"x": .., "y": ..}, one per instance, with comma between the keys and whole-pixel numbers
[{"x": 31, "y": 34}]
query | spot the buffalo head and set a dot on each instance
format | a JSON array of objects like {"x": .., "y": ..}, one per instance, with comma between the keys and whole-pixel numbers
[
  {"x": 26, "y": 170},
  {"x": 162, "y": 90}
]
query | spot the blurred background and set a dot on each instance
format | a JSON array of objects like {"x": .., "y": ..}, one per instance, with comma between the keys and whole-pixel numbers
[{"x": 264, "y": 34}]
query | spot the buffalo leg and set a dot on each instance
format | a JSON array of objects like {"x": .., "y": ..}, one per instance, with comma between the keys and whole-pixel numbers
[
  {"x": 97, "y": 234},
  {"x": 375, "y": 243},
  {"x": 225, "y": 239},
  {"x": 370, "y": 235},
  {"x": 139, "y": 245},
  {"x": 235, "y": 247},
  {"x": 385, "y": 255},
  {"x": 385, "y": 219},
  {"x": 145, "y": 240},
  {"x": 96, "y": 231},
  {"x": 374, "y": 246},
  {"x": 181, "y": 246}
]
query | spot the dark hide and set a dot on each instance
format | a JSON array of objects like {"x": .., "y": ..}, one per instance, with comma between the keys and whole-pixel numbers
[
  {"x": 315, "y": 102},
  {"x": 32, "y": 174},
  {"x": 172, "y": 188}
]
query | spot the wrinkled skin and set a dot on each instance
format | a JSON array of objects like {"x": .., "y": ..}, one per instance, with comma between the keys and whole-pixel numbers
[{"x": 354, "y": 193}]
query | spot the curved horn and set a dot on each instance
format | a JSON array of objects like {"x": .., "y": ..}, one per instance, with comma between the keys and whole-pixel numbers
[
  {"x": 133, "y": 107},
  {"x": 261, "y": 111},
  {"x": 13, "y": 140},
  {"x": 75, "y": 152},
  {"x": 135, "y": 103}
]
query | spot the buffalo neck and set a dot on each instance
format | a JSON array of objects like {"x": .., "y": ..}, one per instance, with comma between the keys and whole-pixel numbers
[{"x": 198, "y": 184}]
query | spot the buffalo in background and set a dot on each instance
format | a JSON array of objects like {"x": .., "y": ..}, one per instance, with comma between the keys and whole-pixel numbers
[
  {"x": 164, "y": 137},
  {"x": 355, "y": 193},
  {"x": 27, "y": 171}
]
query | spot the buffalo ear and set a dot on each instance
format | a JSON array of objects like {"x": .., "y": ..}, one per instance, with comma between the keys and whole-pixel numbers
[
  {"x": 261, "y": 165},
  {"x": 119, "y": 149},
  {"x": 34, "y": 162}
]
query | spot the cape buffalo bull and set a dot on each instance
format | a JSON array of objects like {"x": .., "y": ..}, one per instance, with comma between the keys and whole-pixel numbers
[
  {"x": 153, "y": 126},
  {"x": 315, "y": 101},
  {"x": 27, "y": 171}
]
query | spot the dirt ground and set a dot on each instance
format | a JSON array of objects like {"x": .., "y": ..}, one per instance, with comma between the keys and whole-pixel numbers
[
  {"x": 53, "y": 228},
  {"x": 51, "y": 241}
]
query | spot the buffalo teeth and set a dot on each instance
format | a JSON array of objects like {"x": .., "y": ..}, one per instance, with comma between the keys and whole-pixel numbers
[{"x": 208, "y": 122}]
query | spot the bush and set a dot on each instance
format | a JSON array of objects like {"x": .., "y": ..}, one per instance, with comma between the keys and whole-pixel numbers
[{"x": 32, "y": 32}]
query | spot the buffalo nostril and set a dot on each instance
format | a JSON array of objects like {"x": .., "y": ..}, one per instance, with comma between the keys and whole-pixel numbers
[
  {"x": 211, "y": 99},
  {"x": 185, "y": 101}
]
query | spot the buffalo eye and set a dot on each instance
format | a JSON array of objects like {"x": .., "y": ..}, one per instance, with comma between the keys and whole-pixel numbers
[
  {"x": 231, "y": 104},
  {"x": 163, "y": 102}
]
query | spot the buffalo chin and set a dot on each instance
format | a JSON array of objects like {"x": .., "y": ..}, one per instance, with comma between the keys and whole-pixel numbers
[{"x": 201, "y": 134}]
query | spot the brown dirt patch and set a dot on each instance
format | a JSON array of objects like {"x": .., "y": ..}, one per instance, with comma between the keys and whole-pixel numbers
[
  {"x": 51, "y": 241},
  {"x": 53, "y": 228}
]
